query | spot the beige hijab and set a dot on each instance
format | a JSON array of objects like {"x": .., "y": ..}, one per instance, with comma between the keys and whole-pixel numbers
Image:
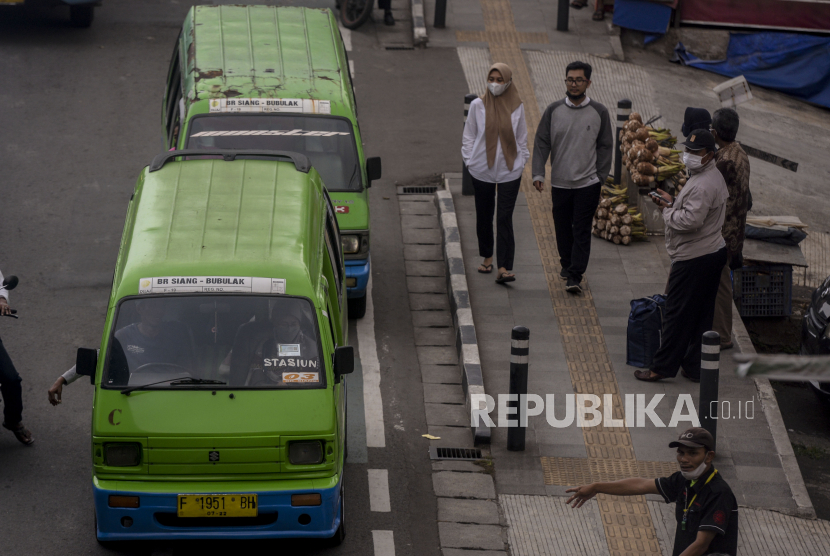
[{"x": 498, "y": 126}]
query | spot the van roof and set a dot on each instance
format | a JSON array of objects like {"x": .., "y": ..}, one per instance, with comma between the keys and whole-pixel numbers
[
  {"x": 265, "y": 51},
  {"x": 242, "y": 218}
]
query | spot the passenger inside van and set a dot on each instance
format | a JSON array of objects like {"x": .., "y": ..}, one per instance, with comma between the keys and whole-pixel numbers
[{"x": 275, "y": 351}]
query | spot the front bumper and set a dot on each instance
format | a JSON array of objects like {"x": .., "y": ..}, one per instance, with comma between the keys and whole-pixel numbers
[
  {"x": 359, "y": 270},
  {"x": 156, "y": 517}
]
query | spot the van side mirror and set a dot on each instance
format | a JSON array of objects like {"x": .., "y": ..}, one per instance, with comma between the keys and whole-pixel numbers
[
  {"x": 373, "y": 169},
  {"x": 86, "y": 362},
  {"x": 343, "y": 361}
]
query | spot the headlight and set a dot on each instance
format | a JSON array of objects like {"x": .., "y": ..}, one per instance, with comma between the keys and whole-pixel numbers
[
  {"x": 122, "y": 454},
  {"x": 350, "y": 244},
  {"x": 305, "y": 453}
]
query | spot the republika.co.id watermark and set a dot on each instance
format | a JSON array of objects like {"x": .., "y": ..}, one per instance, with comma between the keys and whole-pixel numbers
[{"x": 589, "y": 410}]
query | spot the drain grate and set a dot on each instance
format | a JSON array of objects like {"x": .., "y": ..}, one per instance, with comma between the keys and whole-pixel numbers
[
  {"x": 457, "y": 454},
  {"x": 400, "y": 48},
  {"x": 417, "y": 189}
]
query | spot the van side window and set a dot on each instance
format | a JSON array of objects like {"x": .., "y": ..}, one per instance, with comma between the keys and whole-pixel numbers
[
  {"x": 173, "y": 98},
  {"x": 333, "y": 245}
]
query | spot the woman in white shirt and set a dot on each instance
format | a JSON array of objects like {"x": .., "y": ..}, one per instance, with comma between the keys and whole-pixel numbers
[{"x": 494, "y": 149}]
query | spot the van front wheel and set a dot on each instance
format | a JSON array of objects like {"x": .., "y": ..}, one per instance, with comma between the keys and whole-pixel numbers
[
  {"x": 357, "y": 307},
  {"x": 340, "y": 534},
  {"x": 81, "y": 16}
]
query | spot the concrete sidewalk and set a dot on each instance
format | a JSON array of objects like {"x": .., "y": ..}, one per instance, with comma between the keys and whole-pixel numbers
[{"x": 555, "y": 458}]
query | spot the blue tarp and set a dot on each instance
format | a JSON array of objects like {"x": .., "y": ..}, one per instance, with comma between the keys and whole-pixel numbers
[
  {"x": 798, "y": 65},
  {"x": 642, "y": 15}
]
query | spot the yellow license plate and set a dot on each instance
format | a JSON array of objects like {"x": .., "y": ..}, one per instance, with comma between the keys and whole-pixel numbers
[{"x": 217, "y": 505}]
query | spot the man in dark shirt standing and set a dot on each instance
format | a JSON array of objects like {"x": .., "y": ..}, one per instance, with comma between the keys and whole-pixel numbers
[
  {"x": 733, "y": 164},
  {"x": 706, "y": 509}
]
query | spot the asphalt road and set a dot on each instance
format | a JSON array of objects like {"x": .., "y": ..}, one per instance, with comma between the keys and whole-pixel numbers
[{"x": 79, "y": 119}]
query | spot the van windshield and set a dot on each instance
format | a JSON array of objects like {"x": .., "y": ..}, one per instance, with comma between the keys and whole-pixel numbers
[
  {"x": 245, "y": 341},
  {"x": 327, "y": 142}
]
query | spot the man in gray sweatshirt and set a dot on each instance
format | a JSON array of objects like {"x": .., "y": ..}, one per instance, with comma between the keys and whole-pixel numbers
[{"x": 576, "y": 134}]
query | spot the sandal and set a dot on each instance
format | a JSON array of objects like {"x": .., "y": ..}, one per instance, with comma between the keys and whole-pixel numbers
[
  {"x": 505, "y": 277},
  {"x": 485, "y": 268},
  {"x": 23, "y": 434},
  {"x": 579, "y": 4},
  {"x": 599, "y": 15},
  {"x": 646, "y": 376}
]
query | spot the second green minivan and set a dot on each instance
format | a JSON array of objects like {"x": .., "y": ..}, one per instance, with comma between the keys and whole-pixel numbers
[
  {"x": 220, "y": 400},
  {"x": 276, "y": 78}
]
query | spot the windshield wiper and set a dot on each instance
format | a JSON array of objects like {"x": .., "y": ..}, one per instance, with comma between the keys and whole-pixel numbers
[
  {"x": 173, "y": 382},
  {"x": 197, "y": 381}
]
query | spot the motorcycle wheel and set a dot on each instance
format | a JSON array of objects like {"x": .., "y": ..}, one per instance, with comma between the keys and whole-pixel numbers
[{"x": 354, "y": 13}]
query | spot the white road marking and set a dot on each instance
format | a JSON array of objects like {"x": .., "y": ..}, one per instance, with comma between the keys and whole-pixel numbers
[
  {"x": 372, "y": 402},
  {"x": 347, "y": 37},
  {"x": 384, "y": 543},
  {"x": 351, "y": 68},
  {"x": 379, "y": 490}
]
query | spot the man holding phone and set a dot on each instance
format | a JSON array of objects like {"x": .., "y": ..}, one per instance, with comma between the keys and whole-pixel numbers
[
  {"x": 10, "y": 383},
  {"x": 698, "y": 253}
]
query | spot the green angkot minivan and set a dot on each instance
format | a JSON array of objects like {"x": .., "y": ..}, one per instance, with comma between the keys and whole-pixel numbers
[
  {"x": 220, "y": 400},
  {"x": 276, "y": 78}
]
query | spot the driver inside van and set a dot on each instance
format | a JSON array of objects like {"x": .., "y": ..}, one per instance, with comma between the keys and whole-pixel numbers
[
  {"x": 154, "y": 342},
  {"x": 276, "y": 354}
]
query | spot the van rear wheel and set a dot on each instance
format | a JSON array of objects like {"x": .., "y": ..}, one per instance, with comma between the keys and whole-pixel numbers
[
  {"x": 81, "y": 16},
  {"x": 357, "y": 307}
]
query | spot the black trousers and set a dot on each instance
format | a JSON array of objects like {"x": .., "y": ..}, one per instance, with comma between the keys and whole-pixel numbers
[
  {"x": 385, "y": 5},
  {"x": 485, "y": 194},
  {"x": 10, "y": 389},
  {"x": 690, "y": 309},
  {"x": 573, "y": 210}
]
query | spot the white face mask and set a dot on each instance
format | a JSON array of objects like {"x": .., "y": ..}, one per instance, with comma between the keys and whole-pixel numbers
[
  {"x": 692, "y": 475},
  {"x": 497, "y": 88},
  {"x": 692, "y": 161}
]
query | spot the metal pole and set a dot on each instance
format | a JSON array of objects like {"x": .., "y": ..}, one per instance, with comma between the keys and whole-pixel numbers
[
  {"x": 623, "y": 111},
  {"x": 709, "y": 371},
  {"x": 440, "y": 14},
  {"x": 562, "y": 15},
  {"x": 466, "y": 178},
  {"x": 519, "y": 341}
]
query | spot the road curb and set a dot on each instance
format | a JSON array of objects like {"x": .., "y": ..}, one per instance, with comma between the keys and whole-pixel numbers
[
  {"x": 472, "y": 380},
  {"x": 783, "y": 446},
  {"x": 419, "y": 27}
]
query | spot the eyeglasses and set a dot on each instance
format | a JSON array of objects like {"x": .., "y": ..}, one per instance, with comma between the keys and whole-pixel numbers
[{"x": 578, "y": 81}]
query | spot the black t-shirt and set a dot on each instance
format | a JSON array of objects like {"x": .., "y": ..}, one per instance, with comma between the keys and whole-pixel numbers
[{"x": 714, "y": 509}]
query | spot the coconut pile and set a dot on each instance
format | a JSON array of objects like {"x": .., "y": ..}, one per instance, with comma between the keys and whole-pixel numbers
[
  {"x": 614, "y": 220},
  {"x": 648, "y": 155}
]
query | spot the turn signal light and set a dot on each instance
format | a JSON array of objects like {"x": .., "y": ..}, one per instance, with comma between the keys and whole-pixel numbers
[
  {"x": 306, "y": 500},
  {"x": 123, "y": 501}
]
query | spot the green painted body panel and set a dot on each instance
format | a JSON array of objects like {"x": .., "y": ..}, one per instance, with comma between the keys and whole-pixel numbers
[
  {"x": 242, "y": 218},
  {"x": 270, "y": 52},
  {"x": 223, "y": 486},
  {"x": 256, "y": 218}
]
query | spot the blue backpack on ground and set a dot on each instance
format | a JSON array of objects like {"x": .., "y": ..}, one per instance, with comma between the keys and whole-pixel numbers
[{"x": 645, "y": 329}]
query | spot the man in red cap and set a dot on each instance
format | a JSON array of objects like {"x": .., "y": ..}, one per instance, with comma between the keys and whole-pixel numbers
[{"x": 706, "y": 509}]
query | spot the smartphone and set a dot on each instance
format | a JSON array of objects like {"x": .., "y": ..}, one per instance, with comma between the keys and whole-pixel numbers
[{"x": 656, "y": 195}]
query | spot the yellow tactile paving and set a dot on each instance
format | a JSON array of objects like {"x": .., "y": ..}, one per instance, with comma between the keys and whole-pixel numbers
[{"x": 626, "y": 521}]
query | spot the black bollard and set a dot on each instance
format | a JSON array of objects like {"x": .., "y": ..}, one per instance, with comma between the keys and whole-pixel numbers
[
  {"x": 466, "y": 178},
  {"x": 623, "y": 111},
  {"x": 562, "y": 15},
  {"x": 440, "y": 14},
  {"x": 709, "y": 371},
  {"x": 519, "y": 341}
]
